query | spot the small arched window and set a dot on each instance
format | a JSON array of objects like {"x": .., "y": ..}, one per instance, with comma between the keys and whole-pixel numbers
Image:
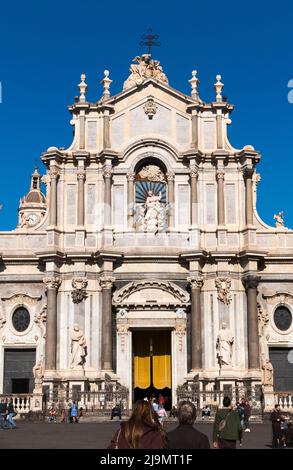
[
  {"x": 282, "y": 318},
  {"x": 21, "y": 319}
]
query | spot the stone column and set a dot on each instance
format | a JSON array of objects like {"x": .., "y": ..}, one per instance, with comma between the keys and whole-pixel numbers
[
  {"x": 196, "y": 342},
  {"x": 251, "y": 282},
  {"x": 221, "y": 198},
  {"x": 52, "y": 284},
  {"x": 106, "y": 131},
  {"x": 193, "y": 195},
  {"x": 106, "y": 283},
  {"x": 248, "y": 173},
  {"x": 53, "y": 196},
  {"x": 80, "y": 198},
  {"x": 130, "y": 198},
  {"x": 107, "y": 196},
  {"x": 171, "y": 199}
]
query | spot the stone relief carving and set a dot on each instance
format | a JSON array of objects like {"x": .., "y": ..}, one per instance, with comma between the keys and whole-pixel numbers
[
  {"x": 282, "y": 298},
  {"x": 121, "y": 295},
  {"x": 78, "y": 347},
  {"x": 2, "y": 320},
  {"x": 180, "y": 331},
  {"x": 150, "y": 108},
  {"x": 79, "y": 293},
  {"x": 223, "y": 285},
  {"x": 21, "y": 299},
  {"x": 144, "y": 69},
  {"x": 122, "y": 331},
  {"x": 225, "y": 341},
  {"x": 262, "y": 316},
  {"x": 40, "y": 319},
  {"x": 264, "y": 348},
  {"x": 151, "y": 173}
]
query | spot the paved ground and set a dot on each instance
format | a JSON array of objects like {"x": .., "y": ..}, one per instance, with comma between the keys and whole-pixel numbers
[{"x": 98, "y": 435}]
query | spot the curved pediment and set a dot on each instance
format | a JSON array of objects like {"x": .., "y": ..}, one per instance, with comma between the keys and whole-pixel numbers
[{"x": 151, "y": 292}]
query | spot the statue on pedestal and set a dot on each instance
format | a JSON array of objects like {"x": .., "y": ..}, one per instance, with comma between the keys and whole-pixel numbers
[
  {"x": 224, "y": 345},
  {"x": 38, "y": 371},
  {"x": 78, "y": 347},
  {"x": 268, "y": 373}
]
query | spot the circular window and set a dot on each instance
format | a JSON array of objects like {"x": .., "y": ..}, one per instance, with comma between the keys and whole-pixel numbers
[
  {"x": 21, "y": 319},
  {"x": 282, "y": 318}
]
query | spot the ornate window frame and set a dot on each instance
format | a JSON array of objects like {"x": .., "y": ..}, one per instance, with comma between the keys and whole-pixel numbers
[
  {"x": 10, "y": 322},
  {"x": 272, "y": 319}
]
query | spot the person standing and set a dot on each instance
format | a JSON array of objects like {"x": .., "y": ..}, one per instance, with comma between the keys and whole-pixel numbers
[
  {"x": 141, "y": 431},
  {"x": 73, "y": 413},
  {"x": 161, "y": 414},
  {"x": 185, "y": 436},
  {"x": 10, "y": 414},
  {"x": 247, "y": 413},
  {"x": 276, "y": 419},
  {"x": 227, "y": 427},
  {"x": 3, "y": 410}
]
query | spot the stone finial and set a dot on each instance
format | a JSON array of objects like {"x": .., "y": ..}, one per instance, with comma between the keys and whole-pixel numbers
[
  {"x": 194, "y": 81},
  {"x": 106, "y": 82},
  {"x": 218, "y": 88},
  {"x": 82, "y": 88}
]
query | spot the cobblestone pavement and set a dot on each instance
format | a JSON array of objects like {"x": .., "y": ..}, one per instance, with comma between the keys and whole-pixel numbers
[{"x": 97, "y": 435}]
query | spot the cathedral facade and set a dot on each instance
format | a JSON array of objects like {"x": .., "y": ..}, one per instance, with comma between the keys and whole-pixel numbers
[{"x": 144, "y": 262}]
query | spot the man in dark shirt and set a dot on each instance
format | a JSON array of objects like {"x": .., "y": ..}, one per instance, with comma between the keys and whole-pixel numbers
[
  {"x": 276, "y": 419},
  {"x": 185, "y": 436},
  {"x": 3, "y": 411},
  {"x": 116, "y": 411}
]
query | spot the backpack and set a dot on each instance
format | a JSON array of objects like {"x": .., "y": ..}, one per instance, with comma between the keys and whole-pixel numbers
[{"x": 223, "y": 422}]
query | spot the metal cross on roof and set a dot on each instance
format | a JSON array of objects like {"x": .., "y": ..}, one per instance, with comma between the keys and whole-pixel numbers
[{"x": 149, "y": 40}]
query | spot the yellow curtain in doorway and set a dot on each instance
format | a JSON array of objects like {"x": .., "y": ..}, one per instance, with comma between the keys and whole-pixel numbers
[
  {"x": 161, "y": 359},
  {"x": 142, "y": 360}
]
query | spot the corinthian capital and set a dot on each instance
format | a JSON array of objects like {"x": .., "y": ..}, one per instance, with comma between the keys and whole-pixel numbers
[
  {"x": 251, "y": 282},
  {"x": 220, "y": 175},
  {"x": 81, "y": 175},
  {"x": 170, "y": 176},
  {"x": 54, "y": 173},
  {"x": 130, "y": 176},
  {"x": 52, "y": 282},
  {"x": 248, "y": 172},
  {"x": 195, "y": 282},
  {"x": 106, "y": 282},
  {"x": 107, "y": 172},
  {"x": 193, "y": 172}
]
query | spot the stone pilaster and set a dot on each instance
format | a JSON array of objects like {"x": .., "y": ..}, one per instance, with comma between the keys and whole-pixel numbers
[
  {"x": 194, "y": 130},
  {"x": 106, "y": 130},
  {"x": 107, "y": 195},
  {"x": 221, "y": 197},
  {"x": 54, "y": 174},
  {"x": 52, "y": 284},
  {"x": 130, "y": 198},
  {"x": 193, "y": 195},
  {"x": 80, "y": 198},
  {"x": 171, "y": 200},
  {"x": 196, "y": 341},
  {"x": 251, "y": 282},
  {"x": 248, "y": 173},
  {"x": 106, "y": 283},
  {"x": 82, "y": 130}
]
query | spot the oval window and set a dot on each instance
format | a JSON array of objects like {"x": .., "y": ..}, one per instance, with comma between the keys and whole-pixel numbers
[
  {"x": 282, "y": 318},
  {"x": 21, "y": 319}
]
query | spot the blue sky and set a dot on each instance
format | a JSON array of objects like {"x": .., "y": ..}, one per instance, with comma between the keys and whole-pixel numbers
[{"x": 45, "y": 46}]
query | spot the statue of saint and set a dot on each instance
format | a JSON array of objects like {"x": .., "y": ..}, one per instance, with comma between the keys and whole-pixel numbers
[
  {"x": 38, "y": 371},
  {"x": 268, "y": 373},
  {"x": 153, "y": 210},
  {"x": 279, "y": 219},
  {"x": 78, "y": 347},
  {"x": 224, "y": 345},
  {"x": 264, "y": 348}
]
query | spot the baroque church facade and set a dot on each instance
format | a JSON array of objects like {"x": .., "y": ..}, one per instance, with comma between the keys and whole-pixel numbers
[{"x": 144, "y": 263}]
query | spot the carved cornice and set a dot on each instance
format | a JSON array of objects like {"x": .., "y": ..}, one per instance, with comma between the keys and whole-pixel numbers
[
  {"x": 121, "y": 295},
  {"x": 21, "y": 299},
  {"x": 106, "y": 282},
  {"x": 195, "y": 282},
  {"x": 251, "y": 282},
  {"x": 52, "y": 282},
  {"x": 281, "y": 297},
  {"x": 223, "y": 285}
]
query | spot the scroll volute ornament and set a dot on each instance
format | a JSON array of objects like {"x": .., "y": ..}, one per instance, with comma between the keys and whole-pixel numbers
[{"x": 223, "y": 285}]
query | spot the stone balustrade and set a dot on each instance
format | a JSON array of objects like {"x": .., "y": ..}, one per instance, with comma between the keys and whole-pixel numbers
[
  {"x": 22, "y": 402},
  {"x": 285, "y": 400}
]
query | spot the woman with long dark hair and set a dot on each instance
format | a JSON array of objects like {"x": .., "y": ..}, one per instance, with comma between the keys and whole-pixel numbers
[{"x": 141, "y": 431}]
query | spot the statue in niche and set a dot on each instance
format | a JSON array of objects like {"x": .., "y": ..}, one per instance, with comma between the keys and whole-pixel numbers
[
  {"x": 78, "y": 347},
  {"x": 268, "y": 373},
  {"x": 224, "y": 345},
  {"x": 152, "y": 214}
]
